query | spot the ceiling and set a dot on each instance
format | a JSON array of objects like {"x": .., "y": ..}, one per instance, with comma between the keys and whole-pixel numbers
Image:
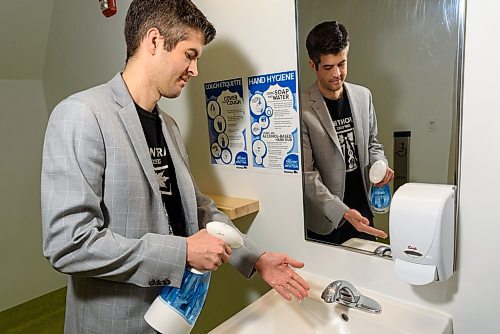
[{"x": 24, "y": 33}]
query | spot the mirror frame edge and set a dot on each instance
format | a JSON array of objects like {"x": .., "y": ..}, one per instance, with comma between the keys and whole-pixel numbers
[{"x": 462, "y": 18}]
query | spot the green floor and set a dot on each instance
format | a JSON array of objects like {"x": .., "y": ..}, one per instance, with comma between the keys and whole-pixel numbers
[{"x": 42, "y": 315}]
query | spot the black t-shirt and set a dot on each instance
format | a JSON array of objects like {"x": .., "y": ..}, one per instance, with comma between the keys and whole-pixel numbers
[
  {"x": 164, "y": 169},
  {"x": 354, "y": 193}
]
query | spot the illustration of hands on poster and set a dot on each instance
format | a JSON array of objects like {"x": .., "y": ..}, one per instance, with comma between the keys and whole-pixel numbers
[
  {"x": 226, "y": 123},
  {"x": 274, "y": 121}
]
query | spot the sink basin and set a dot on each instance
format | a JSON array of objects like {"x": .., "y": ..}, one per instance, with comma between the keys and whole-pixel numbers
[
  {"x": 363, "y": 244},
  {"x": 272, "y": 314}
]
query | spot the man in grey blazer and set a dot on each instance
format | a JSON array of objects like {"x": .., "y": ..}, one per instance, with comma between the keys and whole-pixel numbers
[
  {"x": 339, "y": 142},
  {"x": 121, "y": 213}
]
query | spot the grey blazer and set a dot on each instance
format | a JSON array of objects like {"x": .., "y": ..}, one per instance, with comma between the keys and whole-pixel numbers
[
  {"x": 324, "y": 166},
  {"x": 103, "y": 220}
]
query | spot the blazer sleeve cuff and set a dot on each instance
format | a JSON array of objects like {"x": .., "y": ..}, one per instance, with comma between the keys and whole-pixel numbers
[
  {"x": 335, "y": 211},
  {"x": 244, "y": 258},
  {"x": 164, "y": 260}
]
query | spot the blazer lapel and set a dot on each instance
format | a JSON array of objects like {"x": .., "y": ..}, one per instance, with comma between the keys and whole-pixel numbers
[
  {"x": 319, "y": 107},
  {"x": 358, "y": 122},
  {"x": 183, "y": 175},
  {"x": 133, "y": 128}
]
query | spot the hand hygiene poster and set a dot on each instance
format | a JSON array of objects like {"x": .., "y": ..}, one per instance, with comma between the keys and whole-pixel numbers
[
  {"x": 274, "y": 121},
  {"x": 226, "y": 123}
]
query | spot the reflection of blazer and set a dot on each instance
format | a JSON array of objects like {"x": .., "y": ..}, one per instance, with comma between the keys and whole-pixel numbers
[
  {"x": 324, "y": 166},
  {"x": 103, "y": 219}
]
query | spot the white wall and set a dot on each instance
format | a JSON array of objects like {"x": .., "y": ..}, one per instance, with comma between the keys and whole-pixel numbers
[
  {"x": 470, "y": 296},
  {"x": 246, "y": 45},
  {"x": 24, "y": 29},
  {"x": 23, "y": 118},
  {"x": 84, "y": 48}
]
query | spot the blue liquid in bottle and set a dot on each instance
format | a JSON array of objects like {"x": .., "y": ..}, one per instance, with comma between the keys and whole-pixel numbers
[
  {"x": 188, "y": 300},
  {"x": 380, "y": 198}
]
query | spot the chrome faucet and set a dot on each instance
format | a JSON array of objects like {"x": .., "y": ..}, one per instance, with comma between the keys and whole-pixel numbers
[
  {"x": 346, "y": 294},
  {"x": 383, "y": 251}
]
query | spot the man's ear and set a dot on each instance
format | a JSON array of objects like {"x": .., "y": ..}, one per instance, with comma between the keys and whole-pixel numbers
[
  {"x": 312, "y": 65},
  {"x": 153, "y": 40}
]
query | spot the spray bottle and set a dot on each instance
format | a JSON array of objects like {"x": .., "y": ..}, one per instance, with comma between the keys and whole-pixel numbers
[
  {"x": 176, "y": 310},
  {"x": 380, "y": 197}
]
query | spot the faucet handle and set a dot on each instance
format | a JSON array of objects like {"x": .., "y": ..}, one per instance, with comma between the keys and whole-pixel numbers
[
  {"x": 346, "y": 294},
  {"x": 340, "y": 290},
  {"x": 330, "y": 293},
  {"x": 383, "y": 251}
]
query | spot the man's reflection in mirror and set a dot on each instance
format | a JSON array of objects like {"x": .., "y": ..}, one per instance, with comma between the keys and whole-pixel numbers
[{"x": 339, "y": 141}]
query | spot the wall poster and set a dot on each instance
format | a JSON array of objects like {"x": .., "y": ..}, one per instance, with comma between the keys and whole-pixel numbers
[
  {"x": 226, "y": 123},
  {"x": 274, "y": 122}
]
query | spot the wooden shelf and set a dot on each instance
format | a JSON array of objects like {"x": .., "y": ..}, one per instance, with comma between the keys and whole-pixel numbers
[{"x": 235, "y": 207}]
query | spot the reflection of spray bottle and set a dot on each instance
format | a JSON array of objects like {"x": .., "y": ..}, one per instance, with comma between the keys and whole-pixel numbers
[
  {"x": 380, "y": 197},
  {"x": 176, "y": 310}
]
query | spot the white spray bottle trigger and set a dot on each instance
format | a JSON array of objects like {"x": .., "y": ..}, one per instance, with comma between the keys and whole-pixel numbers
[
  {"x": 225, "y": 232},
  {"x": 377, "y": 171}
]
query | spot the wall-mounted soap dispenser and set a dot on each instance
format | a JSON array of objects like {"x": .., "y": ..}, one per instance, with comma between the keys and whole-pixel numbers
[{"x": 422, "y": 232}]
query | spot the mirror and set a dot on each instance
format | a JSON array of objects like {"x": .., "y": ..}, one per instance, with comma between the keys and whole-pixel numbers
[{"x": 408, "y": 53}]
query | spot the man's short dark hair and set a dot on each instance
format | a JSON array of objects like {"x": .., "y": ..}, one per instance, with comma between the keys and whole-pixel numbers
[
  {"x": 173, "y": 18},
  {"x": 329, "y": 37}
]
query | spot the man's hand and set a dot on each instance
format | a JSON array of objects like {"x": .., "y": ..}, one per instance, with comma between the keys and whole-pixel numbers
[
  {"x": 361, "y": 224},
  {"x": 389, "y": 175},
  {"x": 206, "y": 252},
  {"x": 277, "y": 270}
]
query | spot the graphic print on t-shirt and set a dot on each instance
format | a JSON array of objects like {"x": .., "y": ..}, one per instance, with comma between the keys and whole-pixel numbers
[
  {"x": 160, "y": 164},
  {"x": 345, "y": 133},
  {"x": 163, "y": 180}
]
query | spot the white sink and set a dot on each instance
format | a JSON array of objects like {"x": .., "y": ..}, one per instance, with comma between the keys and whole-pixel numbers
[
  {"x": 272, "y": 314},
  {"x": 363, "y": 244}
]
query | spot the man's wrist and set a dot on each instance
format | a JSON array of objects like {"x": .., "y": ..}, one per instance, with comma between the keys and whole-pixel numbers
[{"x": 258, "y": 262}]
